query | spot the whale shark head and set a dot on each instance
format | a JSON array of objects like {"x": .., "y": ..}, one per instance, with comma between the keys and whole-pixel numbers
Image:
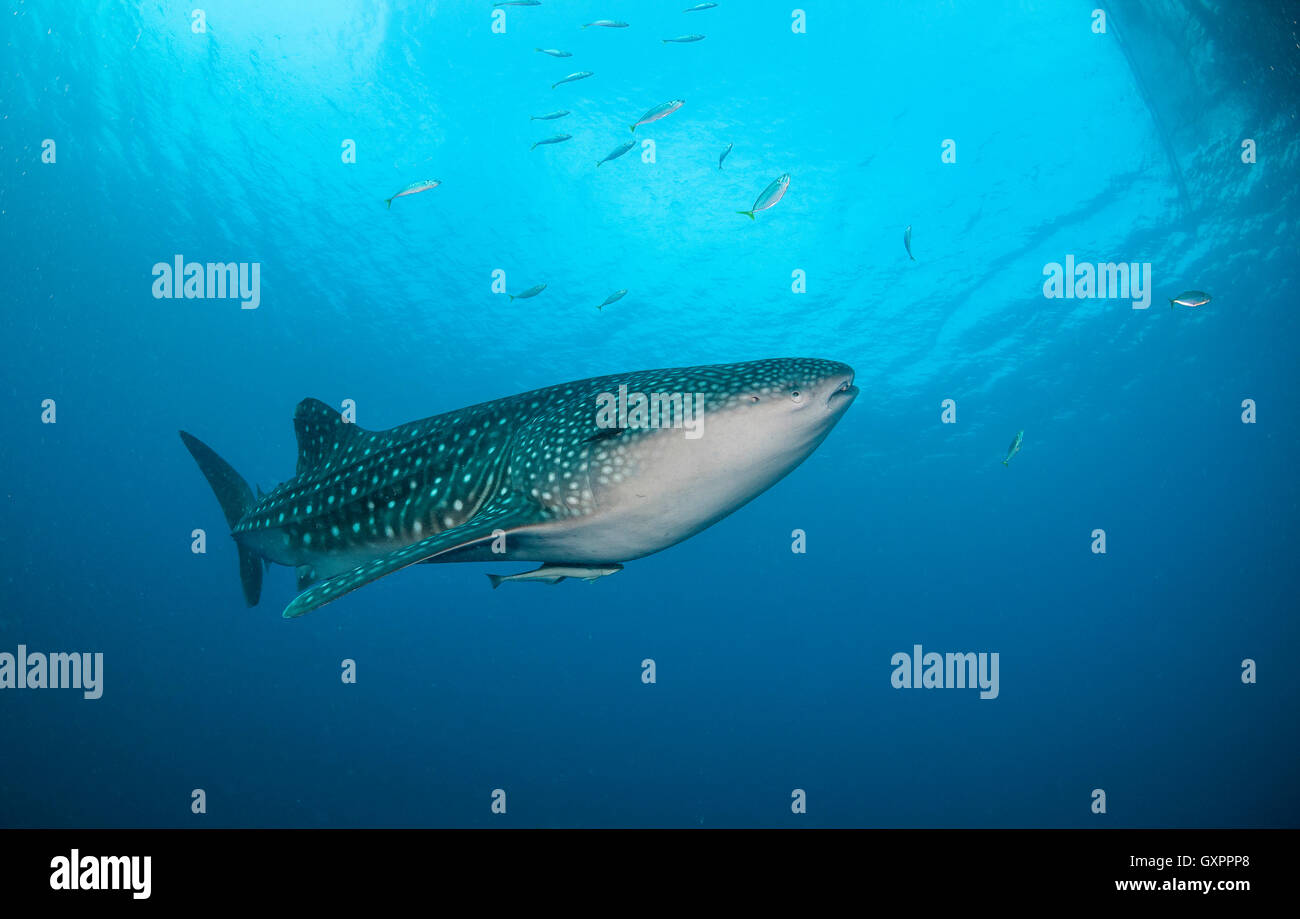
[
  {"x": 785, "y": 403},
  {"x": 764, "y": 418},
  {"x": 654, "y": 481}
]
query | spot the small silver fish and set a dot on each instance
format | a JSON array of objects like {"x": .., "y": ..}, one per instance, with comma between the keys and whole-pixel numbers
[
  {"x": 580, "y": 75},
  {"x": 530, "y": 292},
  {"x": 1190, "y": 298},
  {"x": 724, "y": 154},
  {"x": 659, "y": 111},
  {"x": 554, "y": 574},
  {"x": 1014, "y": 448},
  {"x": 557, "y": 139},
  {"x": 549, "y": 116},
  {"x": 414, "y": 189},
  {"x": 607, "y": 24},
  {"x": 700, "y": 6},
  {"x": 683, "y": 39},
  {"x": 907, "y": 242},
  {"x": 617, "y": 152},
  {"x": 616, "y": 295},
  {"x": 772, "y": 194},
  {"x": 554, "y": 52}
]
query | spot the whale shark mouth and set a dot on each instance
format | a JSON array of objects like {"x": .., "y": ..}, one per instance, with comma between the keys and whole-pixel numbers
[{"x": 845, "y": 391}]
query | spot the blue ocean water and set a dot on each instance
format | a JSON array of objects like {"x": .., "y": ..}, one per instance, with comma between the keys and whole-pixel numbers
[{"x": 1119, "y": 671}]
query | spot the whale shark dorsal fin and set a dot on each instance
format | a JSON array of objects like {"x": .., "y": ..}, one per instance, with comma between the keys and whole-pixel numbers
[
  {"x": 505, "y": 513},
  {"x": 322, "y": 432}
]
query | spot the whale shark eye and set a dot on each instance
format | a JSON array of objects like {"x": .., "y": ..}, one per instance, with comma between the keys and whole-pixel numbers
[{"x": 796, "y": 396}]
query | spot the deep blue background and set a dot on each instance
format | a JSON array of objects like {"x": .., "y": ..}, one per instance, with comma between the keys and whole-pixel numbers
[{"x": 1119, "y": 671}]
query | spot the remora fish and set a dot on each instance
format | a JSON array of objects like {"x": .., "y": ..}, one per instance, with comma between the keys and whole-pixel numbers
[
  {"x": 1015, "y": 447},
  {"x": 607, "y": 24},
  {"x": 616, "y": 295},
  {"x": 550, "y": 116},
  {"x": 659, "y": 111},
  {"x": 907, "y": 242},
  {"x": 683, "y": 39},
  {"x": 700, "y": 6},
  {"x": 557, "y": 139},
  {"x": 364, "y": 504},
  {"x": 530, "y": 292},
  {"x": 1190, "y": 298},
  {"x": 580, "y": 75},
  {"x": 617, "y": 152},
  {"x": 772, "y": 194},
  {"x": 724, "y": 154},
  {"x": 414, "y": 189},
  {"x": 554, "y": 574},
  {"x": 554, "y": 52}
]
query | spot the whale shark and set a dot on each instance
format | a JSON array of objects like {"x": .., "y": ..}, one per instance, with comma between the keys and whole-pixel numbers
[{"x": 553, "y": 475}]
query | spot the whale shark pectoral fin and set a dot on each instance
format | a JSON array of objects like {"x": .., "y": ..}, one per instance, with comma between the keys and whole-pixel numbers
[{"x": 507, "y": 515}]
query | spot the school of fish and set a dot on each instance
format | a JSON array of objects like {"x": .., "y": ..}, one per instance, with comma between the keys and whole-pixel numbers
[{"x": 768, "y": 198}]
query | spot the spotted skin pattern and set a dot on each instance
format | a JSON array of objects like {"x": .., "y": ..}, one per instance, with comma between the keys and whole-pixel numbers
[{"x": 538, "y": 469}]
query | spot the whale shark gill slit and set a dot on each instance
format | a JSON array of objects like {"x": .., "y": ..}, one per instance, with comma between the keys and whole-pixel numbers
[{"x": 604, "y": 434}]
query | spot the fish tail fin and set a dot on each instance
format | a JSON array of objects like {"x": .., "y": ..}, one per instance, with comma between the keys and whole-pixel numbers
[
  {"x": 389, "y": 202},
  {"x": 633, "y": 129},
  {"x": 553, "y": 85},
  {"x": 749, "y": 214},
  {"x": 512, "y": 297},
  {"x": 496, "y": 580},
  {"x": 236, "y": 499},
  {"x": 598, "y": 162},
  {"x": 1006, "y": 462}
]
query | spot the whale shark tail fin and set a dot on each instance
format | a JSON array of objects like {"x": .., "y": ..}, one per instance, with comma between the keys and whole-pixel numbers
[{"x": 236, "y": 499}]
